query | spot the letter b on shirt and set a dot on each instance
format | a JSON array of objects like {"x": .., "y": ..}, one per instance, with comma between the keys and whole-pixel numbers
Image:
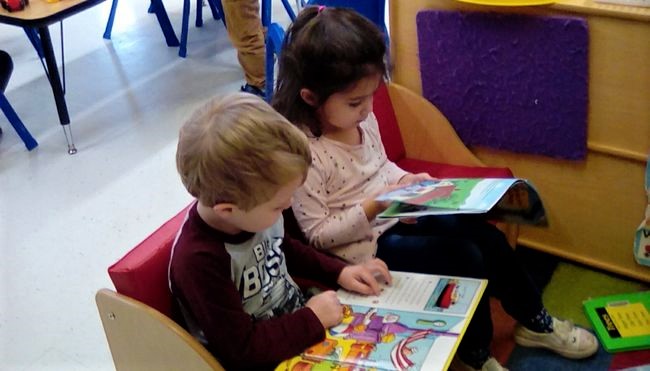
[{"x": 252, "y": 282}]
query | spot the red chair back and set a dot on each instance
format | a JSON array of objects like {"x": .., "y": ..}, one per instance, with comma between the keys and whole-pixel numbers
[
  {"x": 388, "y": 127},
  {"x": 391, "y": 137},
  {"x": 142, "y": 273}
]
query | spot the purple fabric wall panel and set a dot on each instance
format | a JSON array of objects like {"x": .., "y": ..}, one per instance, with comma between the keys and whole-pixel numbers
[{"x": 508, "y": 81}]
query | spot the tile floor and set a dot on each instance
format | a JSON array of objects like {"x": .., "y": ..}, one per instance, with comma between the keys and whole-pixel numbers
[{"x": 64, "y": 219}]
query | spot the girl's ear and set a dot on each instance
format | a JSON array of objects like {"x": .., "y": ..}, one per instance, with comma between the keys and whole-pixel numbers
[{"x": 309, "y": 97}]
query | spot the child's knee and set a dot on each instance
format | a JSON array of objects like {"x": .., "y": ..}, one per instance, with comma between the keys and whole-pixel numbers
[{"x": 472, "y": 261}]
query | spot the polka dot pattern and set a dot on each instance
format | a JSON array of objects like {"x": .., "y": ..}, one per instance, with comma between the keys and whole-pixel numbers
[{"x": 328, "y": 205}]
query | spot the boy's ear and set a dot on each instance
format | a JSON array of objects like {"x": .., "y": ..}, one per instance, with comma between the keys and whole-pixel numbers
[
  {"x": 309, "y": 97},
  {"x": 224, "y": 210}
]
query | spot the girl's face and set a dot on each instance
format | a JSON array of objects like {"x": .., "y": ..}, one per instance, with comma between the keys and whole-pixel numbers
[{"x": 346, "y": 109}]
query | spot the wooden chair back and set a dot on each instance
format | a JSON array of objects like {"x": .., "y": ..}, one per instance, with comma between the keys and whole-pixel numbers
[{"x": 142, "y": 338}]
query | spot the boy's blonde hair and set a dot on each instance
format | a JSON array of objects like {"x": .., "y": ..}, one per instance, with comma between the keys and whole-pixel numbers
[{"x": 237, "y": 149}]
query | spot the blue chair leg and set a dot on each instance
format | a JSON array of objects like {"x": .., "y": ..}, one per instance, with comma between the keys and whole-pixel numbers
[
  {"x": 217, "y": 4},
  {"x": 274, "y": 38},
  {"x": 109, "y": 23},
  {"x": 217, "y": 13},
  {"x": 32, "y": 35},
  {"x": 289, "y": 9},
  {"x": 163, "y": 20},
  {"x": 156, "y": 7},
  {"x": 270, "y": 63},
  {"x": 266, "y": 13},
  {"x": 199, "y": 13},
  {"x": 22, "y": 131},
  {"x": 215, "y": 7},
  {"x": 217, "y": 10},
  {"x": 182, "y": 50}
]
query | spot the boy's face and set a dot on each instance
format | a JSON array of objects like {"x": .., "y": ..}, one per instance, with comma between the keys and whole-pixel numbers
[
  {"x": 347, "y": 109},
  {"x": 266, "y": 214}
]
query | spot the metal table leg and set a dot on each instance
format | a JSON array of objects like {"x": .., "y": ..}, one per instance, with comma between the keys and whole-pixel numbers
[{"x": 57, "y": 88}]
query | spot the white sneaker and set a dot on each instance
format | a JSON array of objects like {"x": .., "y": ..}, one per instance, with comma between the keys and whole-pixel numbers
[
  {"x": 490, "y": 365},
  {"x": 566, "y": 339}
]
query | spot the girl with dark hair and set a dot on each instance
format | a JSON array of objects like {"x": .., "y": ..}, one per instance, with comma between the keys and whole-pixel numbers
[{"x": 332, "y": 62}]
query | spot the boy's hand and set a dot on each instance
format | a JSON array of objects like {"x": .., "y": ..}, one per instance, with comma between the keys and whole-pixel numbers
[
  {"x": 362, "y": 278},
  {"x": 415, "y": 178},
  {"x": 327, "y": 308}
]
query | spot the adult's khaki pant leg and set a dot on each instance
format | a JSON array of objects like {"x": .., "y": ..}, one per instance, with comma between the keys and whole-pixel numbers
[{"x": 247, "y": 36}]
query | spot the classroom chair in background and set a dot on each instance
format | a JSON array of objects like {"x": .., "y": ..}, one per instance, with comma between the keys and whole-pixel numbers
[
  {"x": 157, "y": 7},
  {"x": 6, "y": 68},
  {"x": 217, "y": 13},
  {"x": 274, "y": 39}
]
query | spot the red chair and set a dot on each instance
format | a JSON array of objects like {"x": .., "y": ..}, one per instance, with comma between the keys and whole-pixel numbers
[
  {"x": 437, "y": 149},
  {"x": 137, "y": 318},
  {"x": 141, "y": 274}
]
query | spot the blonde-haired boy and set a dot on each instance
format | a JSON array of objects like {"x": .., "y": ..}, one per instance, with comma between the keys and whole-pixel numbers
[{"x": 231, "y": 261}]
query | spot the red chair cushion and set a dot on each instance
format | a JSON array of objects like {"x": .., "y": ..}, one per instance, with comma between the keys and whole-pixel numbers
[
  {"x": 388, "y": 127},
  {"x": 142, "y": 273}
]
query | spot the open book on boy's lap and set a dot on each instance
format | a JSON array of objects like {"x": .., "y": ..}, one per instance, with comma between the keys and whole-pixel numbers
[
  {"x": 416, "y": 323},
  {"x": 508, "y": 199}
]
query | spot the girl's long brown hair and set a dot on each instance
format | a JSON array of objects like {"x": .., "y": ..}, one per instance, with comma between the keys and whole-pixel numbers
[{"x": 325, "y": 51}]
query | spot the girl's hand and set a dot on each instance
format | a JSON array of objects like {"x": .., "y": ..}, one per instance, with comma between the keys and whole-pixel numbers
[
  {"x": 362, "y": 278},
  {"x": 372, "y": 207},
  {"x": 415, "y": 178},
  {"x": 409, "y": 220},
  {"x": 327, "y": 307}
]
